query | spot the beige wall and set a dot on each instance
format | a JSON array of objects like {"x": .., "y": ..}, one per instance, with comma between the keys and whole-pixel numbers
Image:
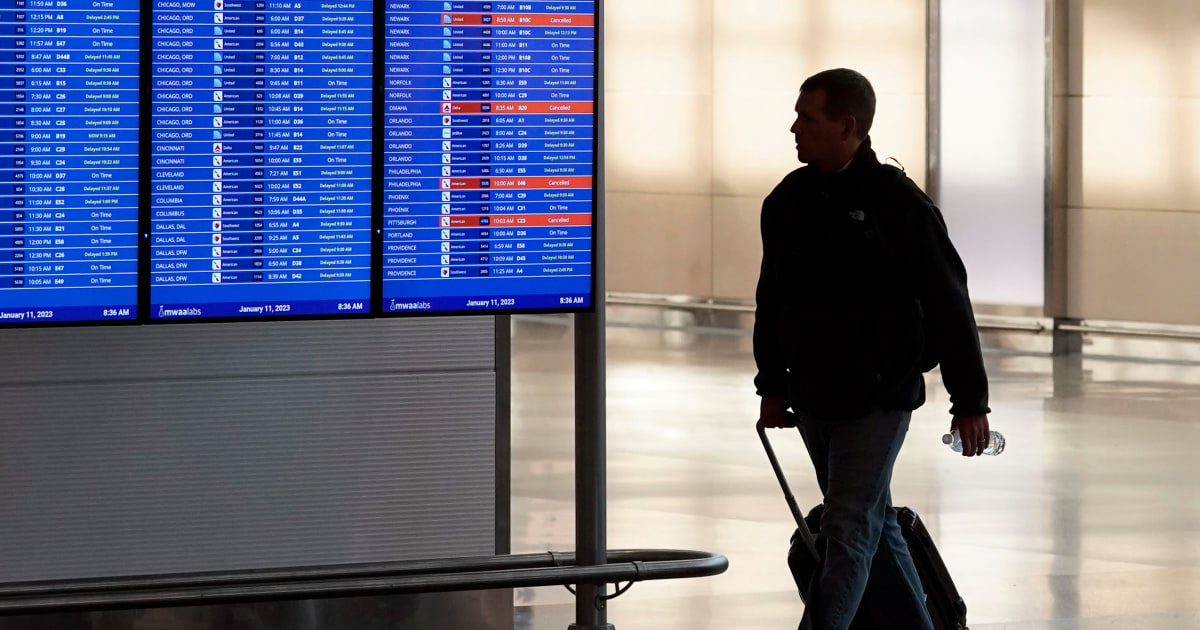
[
  {"x": 1133, "y": 169},
  {"x": 699, "y": 101}
]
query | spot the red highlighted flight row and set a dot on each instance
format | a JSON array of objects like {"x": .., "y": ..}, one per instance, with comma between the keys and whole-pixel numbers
[
  {"x": 462, "y": 183},
  {"x": 516, "y": 107},
  {"x": 501, "y": 19},
  {"x": 524, "y": 220}
]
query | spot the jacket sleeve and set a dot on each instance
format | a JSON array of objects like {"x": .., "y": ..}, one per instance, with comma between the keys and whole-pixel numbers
[
  {"x": 942, "y": 288},
  {"x": 771, "y": 379}
]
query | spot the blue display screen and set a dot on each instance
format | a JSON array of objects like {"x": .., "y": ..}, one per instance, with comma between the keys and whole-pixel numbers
[
  {"x": 488, "y": 156},
  {"x": 285, "y": 173},
  {"x": 261, "y": 159},
  {"x": 68, "y": 160}
]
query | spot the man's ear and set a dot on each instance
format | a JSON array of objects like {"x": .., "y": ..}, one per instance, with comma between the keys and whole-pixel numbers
[{"x": 849, "y": 127}]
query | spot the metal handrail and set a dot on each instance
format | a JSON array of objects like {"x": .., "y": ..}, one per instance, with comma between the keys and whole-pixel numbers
[
  {"x": 707, "y": 305},
  {"x": 423, "y": 576},
  {"x": 983, "y": 322},
  {"x": 1116, "y": 331}
]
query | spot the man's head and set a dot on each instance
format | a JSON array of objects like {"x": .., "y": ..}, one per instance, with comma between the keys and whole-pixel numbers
[{"x": 833, "y": 116}]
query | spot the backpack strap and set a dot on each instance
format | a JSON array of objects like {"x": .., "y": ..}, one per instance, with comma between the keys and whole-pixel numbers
[{"x": 891, "y": 182}]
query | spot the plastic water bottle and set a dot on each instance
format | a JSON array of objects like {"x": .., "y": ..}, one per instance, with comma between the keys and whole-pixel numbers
[{"x": 995, "y": 442}]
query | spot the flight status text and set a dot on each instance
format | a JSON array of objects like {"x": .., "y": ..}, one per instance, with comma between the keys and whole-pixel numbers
[
  {"x": 68, "y": 160},
  {"x": 261, "y": 159},
  {"x": 489, "y": 132}
]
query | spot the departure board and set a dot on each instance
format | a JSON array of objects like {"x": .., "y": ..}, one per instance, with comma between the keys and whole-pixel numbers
[
  {"x": 261, "y": 161},
  {"x": 489, "y": 150},
  {"x": 68, "y": 160}
]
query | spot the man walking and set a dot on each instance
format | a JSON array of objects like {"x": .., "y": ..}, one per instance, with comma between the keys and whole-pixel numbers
[{"x": 860, "y": 292}]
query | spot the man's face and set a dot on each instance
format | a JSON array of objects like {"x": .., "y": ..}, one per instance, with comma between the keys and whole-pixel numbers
[{"x": 817, "y": 137}]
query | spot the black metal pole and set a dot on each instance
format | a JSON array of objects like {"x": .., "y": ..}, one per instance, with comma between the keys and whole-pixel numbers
[
  {"x": 591, "y": 517},
  {"x": 591, "y": 520}
]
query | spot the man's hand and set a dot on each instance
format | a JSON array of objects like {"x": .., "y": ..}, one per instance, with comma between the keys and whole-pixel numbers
[
  {"x": 773, "y": 413},
  {"x": 974, "y": 431}
]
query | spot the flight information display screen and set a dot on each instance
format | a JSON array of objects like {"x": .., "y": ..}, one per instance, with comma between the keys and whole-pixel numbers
[
  {"x": 68, "y": 160},
  {"x": 488, "y": 156},
  {"x": 261, "y": 158}
]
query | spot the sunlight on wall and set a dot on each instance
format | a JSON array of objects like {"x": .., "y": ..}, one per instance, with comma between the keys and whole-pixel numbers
[
  {"x": 658, "y": 92},
  {"x": 1127, "y": 121},
  {"x": 762, "y": 56},
  {"x": 700, "y": 96},
  {"x": 1135, "y": 162}
]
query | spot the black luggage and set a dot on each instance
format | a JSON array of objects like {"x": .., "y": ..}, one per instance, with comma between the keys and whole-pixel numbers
[{"x": 945, "y": 605}]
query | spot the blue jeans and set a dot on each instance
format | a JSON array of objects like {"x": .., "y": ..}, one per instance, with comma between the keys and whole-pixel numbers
[{"x": 865, "y": 552}]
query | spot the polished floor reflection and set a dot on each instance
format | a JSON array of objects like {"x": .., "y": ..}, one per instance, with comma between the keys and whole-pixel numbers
[{"x": 1089, "y": 520}]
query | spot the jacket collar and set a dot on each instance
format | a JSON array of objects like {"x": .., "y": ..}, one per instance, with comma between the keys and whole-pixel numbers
[
  {"x": 863, "y": 162},
  {"x": 860, "y": 168}
]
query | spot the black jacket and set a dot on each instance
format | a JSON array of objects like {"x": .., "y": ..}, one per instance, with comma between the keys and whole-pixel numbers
[{"x": 860, "y": 292}]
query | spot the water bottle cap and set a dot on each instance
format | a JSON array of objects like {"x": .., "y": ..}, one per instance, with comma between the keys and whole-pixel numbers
[{"x": 947, "y": 439}]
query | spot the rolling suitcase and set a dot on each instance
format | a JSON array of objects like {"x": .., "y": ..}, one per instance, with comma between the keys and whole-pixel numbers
[{"x": 945, "y": 605}]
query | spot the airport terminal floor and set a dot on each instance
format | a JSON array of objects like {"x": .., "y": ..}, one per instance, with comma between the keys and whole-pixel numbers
[{"x": 1090, "y": 519}]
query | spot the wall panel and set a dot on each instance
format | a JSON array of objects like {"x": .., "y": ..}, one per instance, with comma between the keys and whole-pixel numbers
[
  {"x": 659, "y": 243},
  {"x": 221, "y": 447},
  {"x": 701, "y": 97},
  {"x": 1134, "y": 265},
  {"x": 1133, "y": 184}
]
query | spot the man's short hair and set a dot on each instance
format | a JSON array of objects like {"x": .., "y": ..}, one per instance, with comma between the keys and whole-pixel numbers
[{"x": 846, "y": 93}]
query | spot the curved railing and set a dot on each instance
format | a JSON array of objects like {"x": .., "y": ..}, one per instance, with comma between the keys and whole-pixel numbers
[{"x": 421, "y": 576}]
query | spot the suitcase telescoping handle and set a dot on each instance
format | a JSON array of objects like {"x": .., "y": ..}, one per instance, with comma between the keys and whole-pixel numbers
[{"x": 801, "y": 526}]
